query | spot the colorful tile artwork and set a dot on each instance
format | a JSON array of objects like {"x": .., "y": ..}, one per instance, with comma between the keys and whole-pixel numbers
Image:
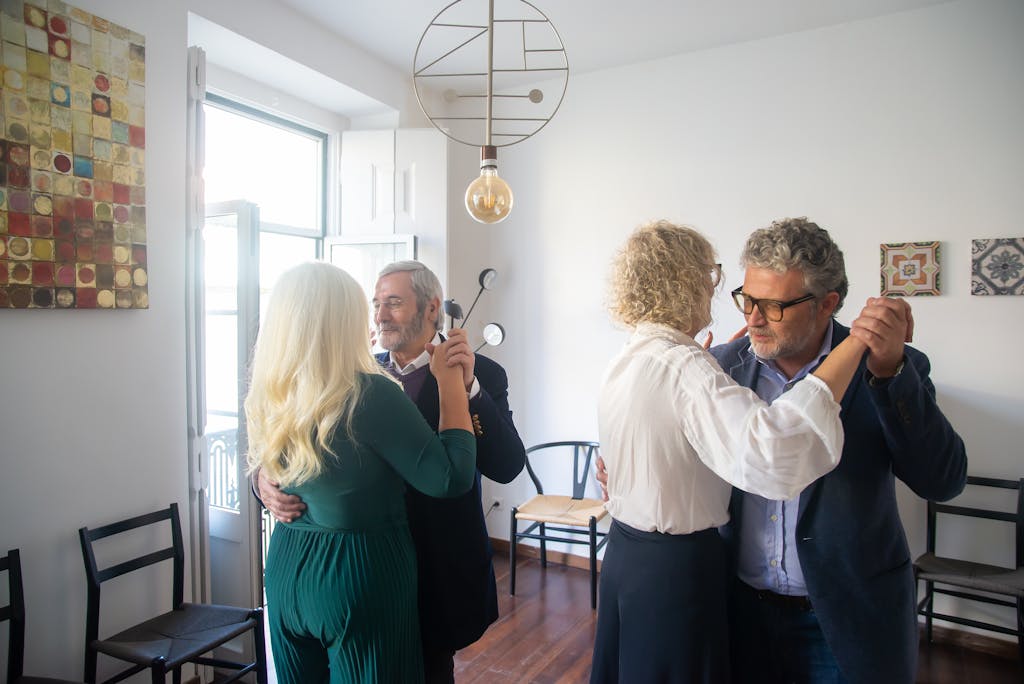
[
  {"x": 72, "y": 160},
  {"x": 910, "y": 269},
  {"x": 997, "y": 266}
]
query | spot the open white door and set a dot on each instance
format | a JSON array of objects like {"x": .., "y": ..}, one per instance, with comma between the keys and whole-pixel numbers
[
  {"x": 222, "y": 301},
  {"x": 231, "y": 318}
]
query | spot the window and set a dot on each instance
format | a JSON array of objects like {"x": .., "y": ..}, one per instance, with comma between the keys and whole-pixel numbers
[
  {"x": 268, "y": 175},
  {"x": 276, "y": 164}
]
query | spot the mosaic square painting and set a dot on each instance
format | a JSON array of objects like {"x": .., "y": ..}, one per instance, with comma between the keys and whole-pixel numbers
[
  {"x": 910, "y": 269},
  {"x": 997, "y": 266},
  {"x": 72, "y": 160}
]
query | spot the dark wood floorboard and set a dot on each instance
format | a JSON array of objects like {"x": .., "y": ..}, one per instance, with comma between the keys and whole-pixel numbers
[{"x": 546, "y": 632}]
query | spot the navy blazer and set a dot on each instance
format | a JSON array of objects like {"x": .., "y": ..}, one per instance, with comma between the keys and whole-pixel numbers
[
  {"x": 458, "y": 599},
  {"x": 850, "y": 540}
]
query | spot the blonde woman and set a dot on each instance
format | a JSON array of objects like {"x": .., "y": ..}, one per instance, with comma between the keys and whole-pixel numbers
[
  {"x": 676, "y": 434},
  {"x": 331, "y": 427}
]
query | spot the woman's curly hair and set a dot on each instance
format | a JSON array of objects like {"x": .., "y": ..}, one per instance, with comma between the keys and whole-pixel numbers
[{"x": 665, "y": 273}]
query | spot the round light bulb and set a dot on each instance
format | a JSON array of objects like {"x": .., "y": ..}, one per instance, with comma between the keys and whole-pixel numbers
[{"x": 488, "y": 198}]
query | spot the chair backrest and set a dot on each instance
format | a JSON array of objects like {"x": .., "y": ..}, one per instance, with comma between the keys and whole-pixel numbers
[
  {"x": 15, "y": 612},
  {"x": 583, "y": 454},
  {"x": 95, "y": 576},
  {"x": 1017, "y": 517}
]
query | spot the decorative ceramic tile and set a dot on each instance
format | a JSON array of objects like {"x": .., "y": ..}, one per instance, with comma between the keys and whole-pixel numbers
[
  {"x": 997, "y": 266},
  {"x": 72, "y": 160},
  {"x": 910, "y": 269}
]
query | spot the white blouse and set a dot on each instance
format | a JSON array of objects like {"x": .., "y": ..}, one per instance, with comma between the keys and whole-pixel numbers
[{"x": 677, "y": 433}]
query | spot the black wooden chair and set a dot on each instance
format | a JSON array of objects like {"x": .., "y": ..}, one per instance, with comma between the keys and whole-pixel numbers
[
  {"x": 971, "y": 580},
  {"x": 559, "y": 518},
  {"x": 182, "y": 635},
  {"x": 15, "y": 613}
]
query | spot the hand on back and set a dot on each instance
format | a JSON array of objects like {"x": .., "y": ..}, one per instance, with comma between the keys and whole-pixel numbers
[{"x": 284, "y": 507}]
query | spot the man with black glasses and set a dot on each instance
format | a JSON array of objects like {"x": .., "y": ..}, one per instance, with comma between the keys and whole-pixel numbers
[{"x": 824, "y": 588}]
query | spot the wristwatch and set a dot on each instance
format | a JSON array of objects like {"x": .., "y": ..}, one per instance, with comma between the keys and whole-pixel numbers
[{"x": 879, "y": 382}]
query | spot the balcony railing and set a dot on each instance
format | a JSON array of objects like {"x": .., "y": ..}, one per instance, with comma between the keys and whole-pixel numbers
[{"x": 223, "y": 449}]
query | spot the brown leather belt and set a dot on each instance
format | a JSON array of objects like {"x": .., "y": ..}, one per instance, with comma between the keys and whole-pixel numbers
[{"x": 797, "y": 603}]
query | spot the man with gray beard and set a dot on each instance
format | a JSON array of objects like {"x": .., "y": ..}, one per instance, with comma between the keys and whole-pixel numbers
[{"x": 824, "y": 587}]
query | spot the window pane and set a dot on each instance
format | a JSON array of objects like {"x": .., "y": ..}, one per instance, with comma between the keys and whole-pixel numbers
[
  {"x": 221, "y": 366},
  {"x": 278, "y": 253},
  {"x": 220, "y": 241},
  {"x": 276, "y": 168},
  {"x": 364, "y": 260}
]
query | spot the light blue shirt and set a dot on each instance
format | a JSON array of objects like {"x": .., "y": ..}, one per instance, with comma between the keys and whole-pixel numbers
[{"x": 767, "y": 543}]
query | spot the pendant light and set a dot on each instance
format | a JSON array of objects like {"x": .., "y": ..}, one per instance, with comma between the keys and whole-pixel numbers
[{"x": 445, "y": 62}]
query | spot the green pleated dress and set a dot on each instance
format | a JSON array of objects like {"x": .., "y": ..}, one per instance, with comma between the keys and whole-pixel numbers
[{"x": 341, "y": 580}]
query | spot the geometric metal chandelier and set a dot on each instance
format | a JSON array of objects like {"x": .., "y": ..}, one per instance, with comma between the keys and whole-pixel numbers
[{"x": 490, "y": 73}]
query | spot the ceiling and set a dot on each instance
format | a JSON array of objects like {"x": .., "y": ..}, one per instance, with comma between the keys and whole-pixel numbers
[{"x": 598, "y": 34}]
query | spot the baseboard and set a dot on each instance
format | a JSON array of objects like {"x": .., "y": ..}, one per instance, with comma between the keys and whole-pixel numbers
[
  {"x": 559, "y": 557},
  {"x": 194, "y": 680},
  {"x": 971, "y": 641}
]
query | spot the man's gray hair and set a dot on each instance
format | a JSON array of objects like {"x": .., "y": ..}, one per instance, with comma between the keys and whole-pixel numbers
[
  {"x": 796, "y": 243},
  {"x": 424, "y": 283}
]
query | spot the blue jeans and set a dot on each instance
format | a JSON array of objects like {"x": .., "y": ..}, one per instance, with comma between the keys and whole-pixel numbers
[{"x": 777, "y": 642}]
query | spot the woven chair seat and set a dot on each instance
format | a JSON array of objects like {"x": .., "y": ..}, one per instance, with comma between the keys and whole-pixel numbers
[
  {"x": 177, "y": 635},
  {"x": 978, "y": 576},
  {"x": 561, "y": 510}
]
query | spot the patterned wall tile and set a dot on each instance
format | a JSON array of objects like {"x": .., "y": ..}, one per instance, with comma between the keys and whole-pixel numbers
[
  {"x": 910, "y": 269},
  {"x": 997, "y": 266}
]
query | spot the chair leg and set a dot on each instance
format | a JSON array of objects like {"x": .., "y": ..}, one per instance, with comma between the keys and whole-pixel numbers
[
  {"x": 90, "y": 665},
  {"x": 543, "y": 547},
  {"x": 593, "y": 563},
  {"x": 157, "y": 671},
  {"x": 1020, "y": 628},
  {"x": 512, "y": 554},
  {"x": 260, "y": 644},
  {"x": 929, "y": 595}
]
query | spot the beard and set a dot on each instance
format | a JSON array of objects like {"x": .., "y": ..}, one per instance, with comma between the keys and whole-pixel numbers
[
  {"x": 392, "y": 337},
  {"x": 776, "y": 344}
]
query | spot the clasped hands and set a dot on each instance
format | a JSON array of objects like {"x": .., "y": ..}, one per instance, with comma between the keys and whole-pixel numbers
[
  {"x": 455, "y": 351},
  {"x": 884, "y": 325}
]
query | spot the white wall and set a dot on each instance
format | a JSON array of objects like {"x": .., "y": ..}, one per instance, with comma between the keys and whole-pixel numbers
[
  {"x": 92, "y": 425},
  {"x": 906, "y": 127},
  {"x": 901, "y": 128}
]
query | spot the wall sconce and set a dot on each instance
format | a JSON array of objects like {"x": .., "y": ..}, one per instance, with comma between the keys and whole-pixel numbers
[
  {"x": 493, "y": 333},
  {"x": 453, "y": 309},
  {"x": 459, "y": 56}
]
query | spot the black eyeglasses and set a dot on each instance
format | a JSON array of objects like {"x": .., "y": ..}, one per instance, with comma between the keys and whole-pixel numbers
[{"x": 771, "y": 309}]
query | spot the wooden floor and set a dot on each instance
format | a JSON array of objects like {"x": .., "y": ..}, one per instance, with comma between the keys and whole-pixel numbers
[{"x": 546, "y": 633}]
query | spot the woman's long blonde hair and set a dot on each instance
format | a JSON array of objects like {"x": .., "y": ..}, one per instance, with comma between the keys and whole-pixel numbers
[{"x": 309, "y": 367}]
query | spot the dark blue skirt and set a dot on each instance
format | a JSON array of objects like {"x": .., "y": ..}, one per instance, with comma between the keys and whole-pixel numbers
[{"x": 662, "y": 611}]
